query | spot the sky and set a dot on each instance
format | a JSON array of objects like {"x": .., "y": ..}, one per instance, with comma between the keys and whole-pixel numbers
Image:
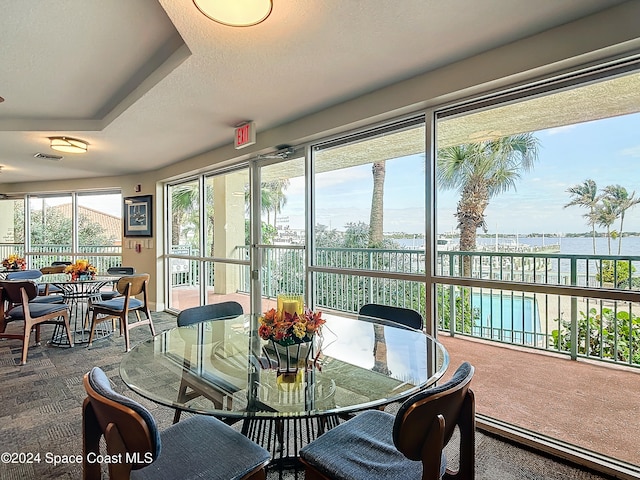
[{"x": 607, "y": 151}]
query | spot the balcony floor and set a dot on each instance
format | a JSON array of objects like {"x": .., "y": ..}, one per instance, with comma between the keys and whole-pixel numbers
[{"x": 592, "y": 405}]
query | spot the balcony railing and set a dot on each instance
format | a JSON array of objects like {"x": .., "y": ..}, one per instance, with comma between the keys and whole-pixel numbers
[
  {"x": 600, "y": 329},
  {"x": 603, "y": 329},
  {"x": 102, "y": 256}
]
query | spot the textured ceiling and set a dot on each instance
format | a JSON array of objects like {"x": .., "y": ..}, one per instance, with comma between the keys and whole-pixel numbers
[{"x": 148, "y": 83}]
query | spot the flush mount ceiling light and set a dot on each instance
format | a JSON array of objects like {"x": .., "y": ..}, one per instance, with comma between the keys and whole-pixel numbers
[
  {"x": 235, "y": 13},
  {"x": 68, "y": 145}
]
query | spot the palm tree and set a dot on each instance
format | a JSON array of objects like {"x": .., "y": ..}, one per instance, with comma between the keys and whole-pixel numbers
[
  {"x": 376, "y": 234},
  {"x": 184, "y": 201},
  {"x": 586, "y": 195},
  {"x": 605, "y": 215},
  {"x": 621, "y": 201},
  {"x": 480, "y": 171}
]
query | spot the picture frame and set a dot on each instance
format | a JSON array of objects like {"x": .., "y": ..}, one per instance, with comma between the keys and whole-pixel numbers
[{"x": 138, "y": 216}]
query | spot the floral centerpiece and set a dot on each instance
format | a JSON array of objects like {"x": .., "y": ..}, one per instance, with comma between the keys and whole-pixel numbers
[
  {"x": 15, "y": 262},
  {"x": 291, "y": 332},
  {"x": 81, "y": 269},
  {"x": 286, "y": 328}
]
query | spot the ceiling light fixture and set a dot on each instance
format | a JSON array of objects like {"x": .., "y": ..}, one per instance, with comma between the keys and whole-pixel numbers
[
  {"x": 235, "y": 13},
  {"x": 68, "y": 145}
]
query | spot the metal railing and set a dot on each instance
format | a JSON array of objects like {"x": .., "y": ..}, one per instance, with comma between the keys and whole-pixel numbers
[
  {"x": 101, "y": 256},
  {"x": 603, "y": 329}
]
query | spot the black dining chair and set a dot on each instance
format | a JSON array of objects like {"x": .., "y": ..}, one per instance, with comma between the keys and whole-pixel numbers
[
  {"x": 404, "y": 316},
  {"x": 192, "y": 316},
  {"x": 407, "y": 446},
  {"x": 199, "y": 447}
]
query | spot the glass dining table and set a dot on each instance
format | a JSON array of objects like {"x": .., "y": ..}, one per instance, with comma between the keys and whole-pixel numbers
[
  {"x": 223, "y": 368},
  {"x": 77, "y": 294}
]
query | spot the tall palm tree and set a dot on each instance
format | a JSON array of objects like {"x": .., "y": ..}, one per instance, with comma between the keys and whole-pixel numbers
[
  {"x": 376, "y": 234},
  {"x": 605, "y": 215},
  {"x": 621, "y": 201},
  {"x": 376, "y": 238},
  {"x": 480, "y": 171},
  {"x": 586, "y": 195}
]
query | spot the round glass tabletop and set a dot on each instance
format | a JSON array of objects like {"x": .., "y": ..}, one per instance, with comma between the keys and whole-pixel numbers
[{"x": 223, "y": 368}]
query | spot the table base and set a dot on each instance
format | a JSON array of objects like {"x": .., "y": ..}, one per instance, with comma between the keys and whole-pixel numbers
[
  {"x": 284, "y": 437},
  {"x": 80, "y": 337}
]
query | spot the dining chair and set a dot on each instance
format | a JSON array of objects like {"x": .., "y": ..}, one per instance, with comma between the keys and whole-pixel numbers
[
  {"x": 409, "y": 445},
  {"x": 213, "y": 311},
  {"x": 109, "y": 294},
  {"x": 35, "y": 275},
  {"x": 199, "y": 447},
  {"x": 16, "y": 304},
  {"x": 404, "y": 316},
  {"x": 118, "y": 308},
  {"x": 24, "y": 275},
  {"x": 188, "y": 389},
  {"x": 46, "y": 289}
]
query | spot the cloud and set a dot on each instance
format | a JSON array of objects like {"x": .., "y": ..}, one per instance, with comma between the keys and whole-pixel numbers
[{"x": 631, "y": 152}]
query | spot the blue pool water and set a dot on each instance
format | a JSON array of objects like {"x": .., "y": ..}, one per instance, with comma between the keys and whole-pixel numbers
[{"x": 511, "y": 318}]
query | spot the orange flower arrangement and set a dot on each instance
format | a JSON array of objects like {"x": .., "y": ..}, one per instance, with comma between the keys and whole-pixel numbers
[
  {"x": 14, "y": 261},
  {"x": 81, "y": 267},
  {"x": 290, "y": 328}
]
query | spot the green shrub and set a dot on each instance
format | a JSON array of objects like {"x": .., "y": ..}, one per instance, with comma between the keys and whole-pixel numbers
[{"x": 609, "y": 334}]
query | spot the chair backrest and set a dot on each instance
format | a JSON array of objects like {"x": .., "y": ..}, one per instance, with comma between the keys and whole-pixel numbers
[
  {"x": 192, "y": 315},
  {"x": 126, "y": 425},
  {"x": 121, "y": 270},
  {"x": 53, "y": 269},
  {"x": 12, "y": 290},
  {"x": 138, "y": 283},
  {"x": 24, "y": 275},
  {"x": 403, "y": 316},
  {"x": 426, "y": 421},
  {"x": 65, "y": 262}
]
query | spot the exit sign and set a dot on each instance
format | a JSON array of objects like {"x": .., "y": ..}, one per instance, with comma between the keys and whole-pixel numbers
[{"x": 245, "y": 135}]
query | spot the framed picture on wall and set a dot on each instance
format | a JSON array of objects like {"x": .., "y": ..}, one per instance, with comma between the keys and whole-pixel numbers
[{"x": 137, "y": 216}]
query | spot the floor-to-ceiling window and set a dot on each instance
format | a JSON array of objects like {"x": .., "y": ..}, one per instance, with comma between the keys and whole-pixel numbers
[
  {"x": 12, "y": 214},
  {"x": 207, "y": 230},
  {"x": 369, "y": 218},
  {"x": 64, "y": 227},
  {"x": 538, "y": 195}
]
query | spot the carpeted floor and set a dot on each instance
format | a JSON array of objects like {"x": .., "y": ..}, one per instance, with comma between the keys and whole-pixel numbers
[{"x": 41, "y": 412}]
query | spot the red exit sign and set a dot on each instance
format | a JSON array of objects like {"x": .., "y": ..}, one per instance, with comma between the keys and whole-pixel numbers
[{"x": 245, "y": 135}]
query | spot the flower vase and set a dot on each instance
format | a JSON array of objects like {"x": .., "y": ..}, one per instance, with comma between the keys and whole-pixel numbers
[{"x": 290, "y": 358}]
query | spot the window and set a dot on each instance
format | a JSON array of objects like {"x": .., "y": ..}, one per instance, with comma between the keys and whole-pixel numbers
[{"x": 541, "y": 194}]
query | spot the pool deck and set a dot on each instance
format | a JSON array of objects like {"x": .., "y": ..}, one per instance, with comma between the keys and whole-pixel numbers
[{"x": 592, "y": 405}]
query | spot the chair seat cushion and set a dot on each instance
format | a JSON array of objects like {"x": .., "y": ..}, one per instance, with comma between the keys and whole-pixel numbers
[
  {"x": 362, "y": 448},
  {"x": 48, "y": 299},
  {"x": 109, "y": 295},
  {"x": 117, "y": 304},
  {"x": 36, "y": 310},
  {"x": 203, "y": 447}
]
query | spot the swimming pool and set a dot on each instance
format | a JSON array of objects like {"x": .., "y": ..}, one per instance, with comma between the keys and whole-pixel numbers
[{"x": 507, "y": 317}]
